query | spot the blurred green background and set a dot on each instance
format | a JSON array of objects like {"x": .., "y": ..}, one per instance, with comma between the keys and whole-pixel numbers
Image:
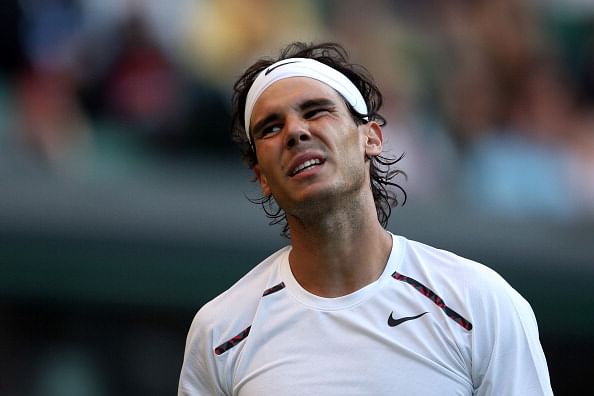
[{"x": 123, "y": 202}]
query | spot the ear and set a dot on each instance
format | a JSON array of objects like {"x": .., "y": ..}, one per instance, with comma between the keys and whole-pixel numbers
[
  {"x": 262, "y": 180},
  {"x": 374, "y": 139}
]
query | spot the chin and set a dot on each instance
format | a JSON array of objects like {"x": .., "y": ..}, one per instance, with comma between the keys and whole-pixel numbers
[{"x": 311, "y": 199}]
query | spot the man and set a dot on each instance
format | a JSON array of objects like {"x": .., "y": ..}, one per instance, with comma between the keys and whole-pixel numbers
[{"x": 348, "y": 308}]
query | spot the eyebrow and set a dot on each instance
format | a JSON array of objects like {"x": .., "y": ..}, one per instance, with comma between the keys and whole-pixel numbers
[{"x": 303, "y": 106}]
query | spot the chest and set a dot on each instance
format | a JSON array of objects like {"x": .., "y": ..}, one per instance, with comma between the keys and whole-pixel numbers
[{"x": 386, "y": 346}]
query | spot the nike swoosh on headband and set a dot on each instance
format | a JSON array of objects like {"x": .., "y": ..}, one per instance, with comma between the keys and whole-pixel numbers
[{"x": 277, "y": 66}]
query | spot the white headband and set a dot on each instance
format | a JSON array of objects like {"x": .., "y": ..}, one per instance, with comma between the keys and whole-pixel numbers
[{"x": 302, "y": 67}]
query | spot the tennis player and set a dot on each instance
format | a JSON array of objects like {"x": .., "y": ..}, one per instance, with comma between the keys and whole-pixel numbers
[{"x": 348, "y": 308}]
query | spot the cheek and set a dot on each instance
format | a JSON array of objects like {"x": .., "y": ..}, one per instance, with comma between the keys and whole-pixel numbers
[{"x": 354, "y": 143}]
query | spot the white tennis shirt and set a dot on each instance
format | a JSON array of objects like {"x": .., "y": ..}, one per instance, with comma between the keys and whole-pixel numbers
[{"x": 433, "y": 324}]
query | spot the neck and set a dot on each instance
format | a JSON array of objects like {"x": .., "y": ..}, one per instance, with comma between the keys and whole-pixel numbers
[{"x": 338, "y": 251}]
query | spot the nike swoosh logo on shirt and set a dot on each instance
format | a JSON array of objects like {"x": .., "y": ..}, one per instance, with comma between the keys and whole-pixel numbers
[{"x": 395, "y": 322}]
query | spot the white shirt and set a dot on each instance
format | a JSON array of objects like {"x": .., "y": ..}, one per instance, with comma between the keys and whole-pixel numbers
[{"x": 433, "y": 324}]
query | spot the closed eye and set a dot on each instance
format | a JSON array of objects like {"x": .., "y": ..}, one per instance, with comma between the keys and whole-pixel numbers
[
  {"x": 314, "y": 112},
  {"x": 315, "y": 107}
]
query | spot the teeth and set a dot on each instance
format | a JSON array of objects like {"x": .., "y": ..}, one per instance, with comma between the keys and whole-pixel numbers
[{"x": 306, "y": 164}]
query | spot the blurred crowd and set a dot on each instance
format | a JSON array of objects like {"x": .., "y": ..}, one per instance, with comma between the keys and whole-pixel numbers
[{"x": 491, "y": 101}]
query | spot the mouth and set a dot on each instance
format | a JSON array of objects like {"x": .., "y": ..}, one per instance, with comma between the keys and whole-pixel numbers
[{"x": 303, "y": 166}]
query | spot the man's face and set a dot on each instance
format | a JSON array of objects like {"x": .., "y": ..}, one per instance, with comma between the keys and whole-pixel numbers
[{"x": 309, "y": 149}]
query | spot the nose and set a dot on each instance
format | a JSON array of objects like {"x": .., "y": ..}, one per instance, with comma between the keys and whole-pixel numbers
[{"x": 296, "y": 131}]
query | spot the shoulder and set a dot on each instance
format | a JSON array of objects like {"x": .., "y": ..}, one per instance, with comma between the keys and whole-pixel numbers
[
  {"x": 452, "y": 270},
  {"x": 503, "y": 343},
  {"x": 238, "y": 304},
  {"x": 222, "y": 320},
  {"x": 478, "y": 292}
]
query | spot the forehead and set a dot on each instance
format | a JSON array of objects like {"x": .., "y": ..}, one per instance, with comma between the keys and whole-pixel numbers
[{"x": 290, "y": 92}]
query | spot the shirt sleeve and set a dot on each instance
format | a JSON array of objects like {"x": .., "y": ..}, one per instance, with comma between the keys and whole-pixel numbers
[
  {"x": 507, "y": 358},
  {"x": 199, "y": 369}
]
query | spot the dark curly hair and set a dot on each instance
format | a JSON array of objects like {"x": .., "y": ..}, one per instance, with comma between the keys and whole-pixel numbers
[{"x": 335, "y": 56}]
